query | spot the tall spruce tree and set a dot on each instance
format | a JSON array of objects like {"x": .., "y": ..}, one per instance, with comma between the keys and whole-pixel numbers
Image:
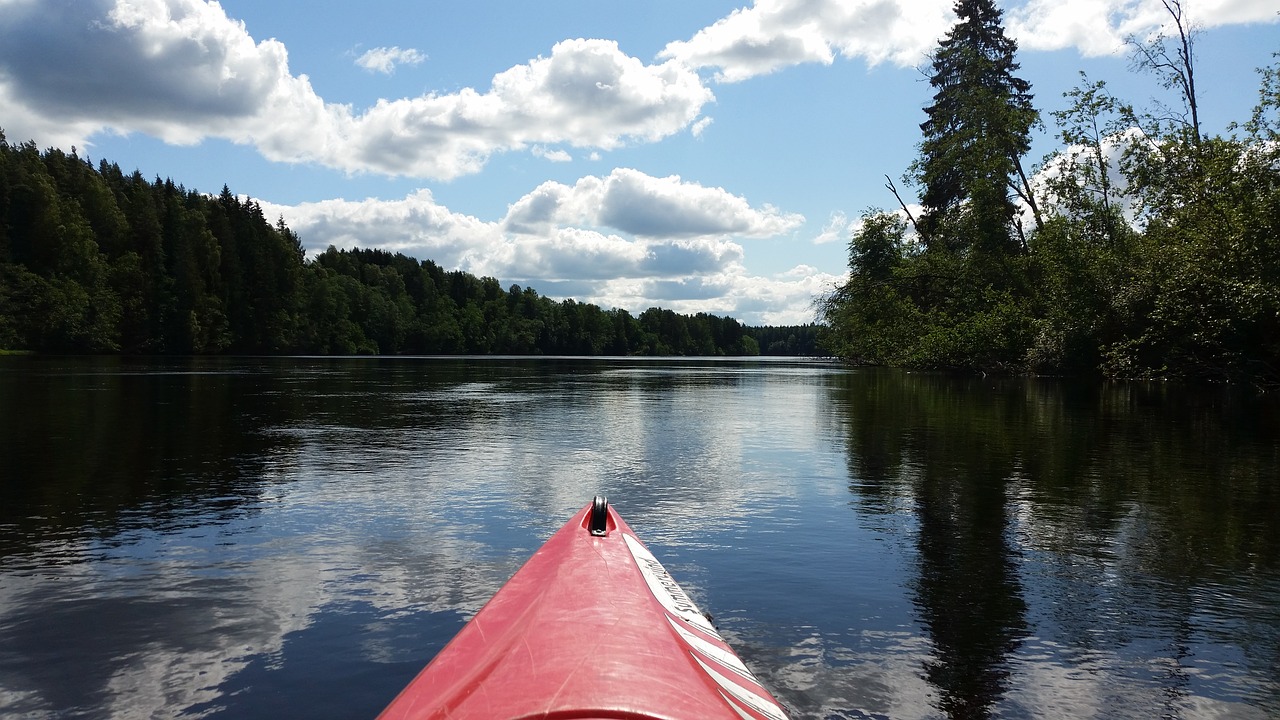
[{"x": 977, "y": 130}]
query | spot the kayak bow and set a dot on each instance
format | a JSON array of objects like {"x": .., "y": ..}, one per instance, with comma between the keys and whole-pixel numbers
[{"x": 591, "y": 627}]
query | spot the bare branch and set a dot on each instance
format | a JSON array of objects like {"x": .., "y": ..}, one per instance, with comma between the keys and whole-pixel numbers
[
  {"x": 1024, "y": 191},
  {"x": 1175, "y": 68},
  {"x": 892, "y": 188}
]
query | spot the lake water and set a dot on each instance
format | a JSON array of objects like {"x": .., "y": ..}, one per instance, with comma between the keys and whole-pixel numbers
[{"x": 265, "y": 538}]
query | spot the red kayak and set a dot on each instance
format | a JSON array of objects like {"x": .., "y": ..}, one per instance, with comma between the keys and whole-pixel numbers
[{"x": 592, "y": 627}]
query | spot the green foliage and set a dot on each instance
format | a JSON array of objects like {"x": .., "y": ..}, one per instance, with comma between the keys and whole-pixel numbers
[
  {"x": 1158, "y": 256},
  {"x": 1205, "y": 299},
  {"x": 872, "y": 312},
  {"x": 94, "y": 261},
  {"x": 1094, "y": 126},
  {"x": 931, "y": 307},
  {"x": 1264, "y": 125}
]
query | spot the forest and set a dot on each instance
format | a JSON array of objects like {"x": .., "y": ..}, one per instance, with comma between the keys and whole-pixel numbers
[
  {"x": 93, "y": 260},
  {"x": 1142, "y": 248}
]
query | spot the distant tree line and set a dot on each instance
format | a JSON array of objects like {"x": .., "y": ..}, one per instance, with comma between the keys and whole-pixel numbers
[
  {"x": 1153, "y": 249},
  {"x": 789, "y": 340},
  {"x": 96, "y": 261}
]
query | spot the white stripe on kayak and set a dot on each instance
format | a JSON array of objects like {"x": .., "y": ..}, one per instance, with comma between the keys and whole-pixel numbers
[
  {"x": 746, "y": 697},
  {"x": 715, "y": 652},
  {"x": 666, "y": 589},
  {"x": 734, "y": 705}
]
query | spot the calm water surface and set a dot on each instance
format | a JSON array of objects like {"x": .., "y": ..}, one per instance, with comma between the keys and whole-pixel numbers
[{"x": 272, "y": 538}]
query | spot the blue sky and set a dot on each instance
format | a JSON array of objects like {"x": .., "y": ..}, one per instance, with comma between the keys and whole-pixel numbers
[{"x": 700, "y": 156}]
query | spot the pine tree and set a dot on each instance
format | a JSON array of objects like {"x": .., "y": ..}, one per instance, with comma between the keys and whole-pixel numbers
[{"x": 977, "y": 130}]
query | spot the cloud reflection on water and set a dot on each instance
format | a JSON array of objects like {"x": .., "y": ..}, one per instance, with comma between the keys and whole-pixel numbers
[
  {"x": 368, "y": 507},
  {"x": 403, "y": 498}
]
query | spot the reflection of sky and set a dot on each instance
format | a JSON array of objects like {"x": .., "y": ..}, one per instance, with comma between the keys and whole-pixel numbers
[
  {"x": 401, "y": 501},
  {"x": 408, "y": 504},
  {"x": 159, "y": 622}
]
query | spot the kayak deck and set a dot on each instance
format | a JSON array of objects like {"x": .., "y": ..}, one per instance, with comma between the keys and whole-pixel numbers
[{"x": 592, "y": 626}]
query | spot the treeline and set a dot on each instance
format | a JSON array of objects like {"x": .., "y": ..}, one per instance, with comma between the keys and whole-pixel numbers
[
  {"x": 788, "y": 340},
  {"x": 373, "y": 301},
  {"x": 1144, "y": 248},
  {"x": 96, "y": 261}
]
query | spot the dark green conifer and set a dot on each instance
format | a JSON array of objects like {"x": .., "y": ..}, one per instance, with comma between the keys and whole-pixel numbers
[{"x": 977, "y": 130}]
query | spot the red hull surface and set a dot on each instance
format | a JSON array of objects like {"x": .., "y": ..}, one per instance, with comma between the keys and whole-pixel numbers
[{"x": 591, "y": 627}]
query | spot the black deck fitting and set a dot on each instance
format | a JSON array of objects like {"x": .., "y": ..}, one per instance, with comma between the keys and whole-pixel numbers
[{"x": 599, "y": 516}]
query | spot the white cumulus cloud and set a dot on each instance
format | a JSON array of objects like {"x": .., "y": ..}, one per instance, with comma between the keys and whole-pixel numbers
[
  {"x": 775, "y": 34},
  {"x": 1099, "y": 27},
  {"x": 176, "y": 70},
  {"x": 183, "y": 71},
  {"x": 624, "y": 240},
  {"x": 385, "y": 59},
  {"x": 837, "y": 229},
  {"x": 634, "y": 203},
  {"x": 554, "y": 155}
]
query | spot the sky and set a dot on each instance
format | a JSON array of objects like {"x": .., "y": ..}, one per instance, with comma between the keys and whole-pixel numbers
[{"x": 702, "y": 156}]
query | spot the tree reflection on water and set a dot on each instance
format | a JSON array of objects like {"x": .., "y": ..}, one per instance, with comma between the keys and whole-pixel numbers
[{"x": 1122, "y": 531}]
